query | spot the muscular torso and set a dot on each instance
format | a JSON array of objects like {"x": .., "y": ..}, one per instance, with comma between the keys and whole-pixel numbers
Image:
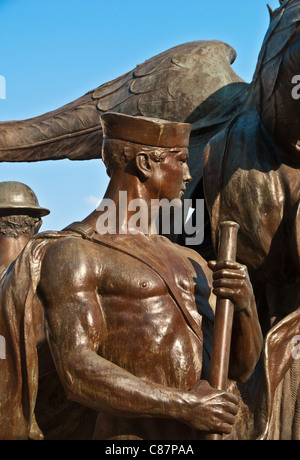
[
  {"x": 140, "y": 326},
  {"x": 136, "y": 323},
  {"x": 145, "y": 332}
]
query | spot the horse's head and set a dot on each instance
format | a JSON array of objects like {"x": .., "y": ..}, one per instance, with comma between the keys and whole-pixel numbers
[{"x": 277, "y": 77}]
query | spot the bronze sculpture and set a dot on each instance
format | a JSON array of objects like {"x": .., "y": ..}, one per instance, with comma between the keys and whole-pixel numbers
[
  {"x": 127, "y": 384},
  {"x": 249, "y": 143},
  {"x": 162, "y": 377},
  {"x": 260, "y": 163},
  {"x": 192, "y": 83},
  {"x": 190, "y": 73},
  {"x": 20, "y": 219}
]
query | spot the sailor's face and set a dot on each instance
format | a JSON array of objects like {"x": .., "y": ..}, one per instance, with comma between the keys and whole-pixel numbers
[{"x": 172, "y": 174}]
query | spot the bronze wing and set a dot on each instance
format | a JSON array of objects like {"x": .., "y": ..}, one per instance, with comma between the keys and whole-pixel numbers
[{"x": 184, "y": 83}]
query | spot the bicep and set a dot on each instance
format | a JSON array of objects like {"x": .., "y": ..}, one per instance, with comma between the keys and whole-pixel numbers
[
  {"x": 74, "y": 323},
  {"x": 73, "y": 318}
]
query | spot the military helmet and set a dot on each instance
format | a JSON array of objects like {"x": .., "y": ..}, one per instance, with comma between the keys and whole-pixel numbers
[{"x": 18, "y": 196}]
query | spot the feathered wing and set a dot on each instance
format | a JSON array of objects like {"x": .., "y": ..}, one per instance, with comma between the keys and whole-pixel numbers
[
  {"x": 184, "y": 83},
  {"x": 63, "y": 133}
]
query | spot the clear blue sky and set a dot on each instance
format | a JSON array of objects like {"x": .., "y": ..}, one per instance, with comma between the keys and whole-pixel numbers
[{"x": 53, "y": 51}]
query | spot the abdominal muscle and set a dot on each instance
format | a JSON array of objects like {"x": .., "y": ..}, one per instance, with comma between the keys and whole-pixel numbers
[
  {"x": 152, "y": 340},
  {"x": 153, "y": 351}
]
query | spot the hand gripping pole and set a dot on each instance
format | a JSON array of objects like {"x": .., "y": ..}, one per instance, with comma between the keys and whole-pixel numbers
[{"x": 223, "y": 318}]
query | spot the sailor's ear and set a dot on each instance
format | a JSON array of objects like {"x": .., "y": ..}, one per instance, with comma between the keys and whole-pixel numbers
[{"x": 144, "y": 165}]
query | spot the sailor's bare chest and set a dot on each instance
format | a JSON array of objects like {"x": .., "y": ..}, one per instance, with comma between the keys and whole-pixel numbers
[{"x": 146, "y": 332}]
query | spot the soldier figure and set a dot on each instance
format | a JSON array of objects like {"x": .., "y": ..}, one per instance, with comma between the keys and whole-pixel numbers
[{"x": 20, "y": 219}]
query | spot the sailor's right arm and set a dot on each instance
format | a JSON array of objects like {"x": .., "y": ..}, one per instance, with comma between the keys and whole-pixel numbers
[{"x": 75, "y": 327}]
